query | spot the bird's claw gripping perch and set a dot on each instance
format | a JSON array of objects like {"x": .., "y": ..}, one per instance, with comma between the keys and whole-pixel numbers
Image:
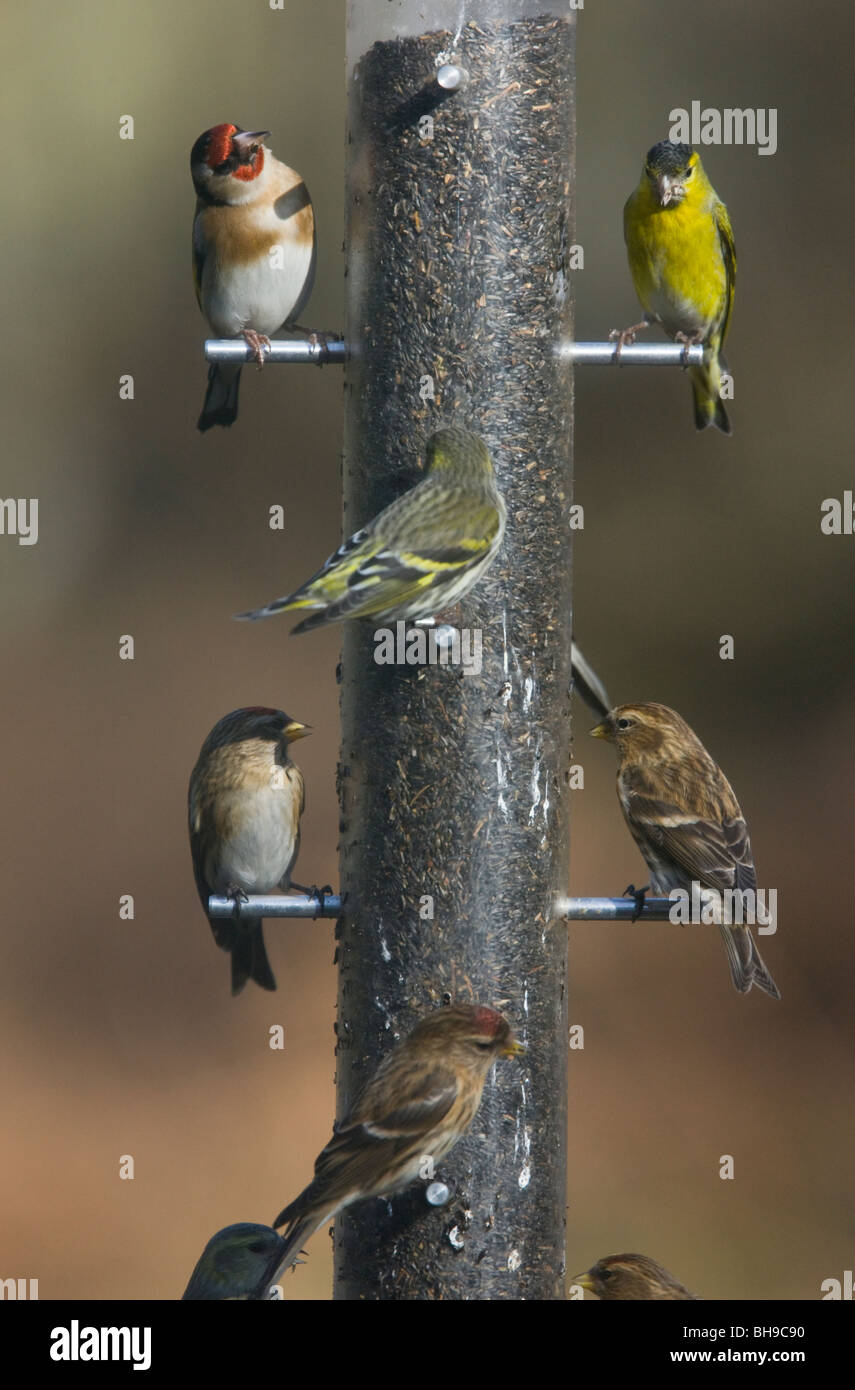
[
  {"x": 319, "y": 340},
  {"x": 320, "y": 894},
  {"x": 639, "y": 895},
  {"x": 238, "y": 896},
  {"x": 258, "y": 342},
  {"x": 689, "y": 340},
  {"x": 622, "y": 337}
]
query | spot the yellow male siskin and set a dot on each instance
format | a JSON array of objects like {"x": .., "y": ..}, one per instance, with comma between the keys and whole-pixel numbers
[
  {"x": 683, "y": 264},
  {"x": 421, "y": 554}
]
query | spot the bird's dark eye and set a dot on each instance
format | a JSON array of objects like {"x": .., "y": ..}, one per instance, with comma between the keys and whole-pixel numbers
[
  {"x": 624, "y": 723},
  {"x": 688, "y": 171},
  {"x": 483, "y": 1046},
  {"x": 605, "y": 1274}
]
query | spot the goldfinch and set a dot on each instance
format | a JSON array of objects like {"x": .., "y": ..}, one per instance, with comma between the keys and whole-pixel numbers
[
  {"x": 421, "y": 554},
  {"x": 631, "y": 1277},
  {"x": 253, "y": 250},
  {"x": 245, "y": 801},
  {"x": 420, "y": 1101},
  {"x": 685, "y": 819},
  {"x": 683, "y": 264},
  {"x": 237, "y": 1265}
]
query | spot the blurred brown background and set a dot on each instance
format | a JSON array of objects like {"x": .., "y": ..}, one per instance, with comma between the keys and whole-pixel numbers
[{"x": 121, "y": 1037}]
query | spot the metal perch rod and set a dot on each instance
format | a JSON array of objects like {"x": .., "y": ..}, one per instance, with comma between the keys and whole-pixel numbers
[
  {"x": 300, "y": 350},
  {"x": 272, "y": 905},
  {"x": 306, "y": 350},
  {"x": 613, "y": 909},
  {"x": 300, "y": 905}
]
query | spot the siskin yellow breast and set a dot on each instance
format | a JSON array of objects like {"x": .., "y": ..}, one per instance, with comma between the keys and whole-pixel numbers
[{"x": 676, "y": 261}]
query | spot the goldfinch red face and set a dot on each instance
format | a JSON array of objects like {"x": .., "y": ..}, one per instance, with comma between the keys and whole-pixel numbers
[
  {"x": 224, "y": 160},
  {"x": 671, "y": 169}
]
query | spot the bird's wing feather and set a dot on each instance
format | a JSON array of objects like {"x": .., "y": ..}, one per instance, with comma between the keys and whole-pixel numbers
[
  {"x": 716, "y": 854},
  {"x": 224, "y": 928},
  {"x": 349, "y": 1163},
  {"x": 354, "y": 1142},
  {"x": 381, "y": 566},
  {"x": 728, "y": 251},
  {"x": 198, "y": 257},
  {"x": 426, "y": 1106}
]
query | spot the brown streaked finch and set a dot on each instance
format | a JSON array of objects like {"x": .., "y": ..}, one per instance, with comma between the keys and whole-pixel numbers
[
  {"x": 253, "y": 250},
  {"x": 631, "y": 1277},
  {"x": 421, "y": 1100},
  {"x": 245, "y": 801},
  {"x": 685, "y": 819},
  {"x": 238, "y": 1263}
]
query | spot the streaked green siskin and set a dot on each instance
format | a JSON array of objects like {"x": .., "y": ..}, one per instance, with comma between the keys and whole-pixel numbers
[
  {"x": 238, "y": 1263},
  {"x": 422, "y": 554}
]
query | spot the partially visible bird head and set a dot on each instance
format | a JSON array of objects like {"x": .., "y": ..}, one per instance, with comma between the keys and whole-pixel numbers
[
  {"x": 645, "y": 730},
  {"x": 630, "y": 1277},
  {"x": 672, "y": 169},
  {"x": 257, "y": 722},
  {"x": 237, "y": 1263},
  {"x": 224, "y": 160},
  {"x": 458, "y": 453},
  {"x": 471, "y": 1033}
]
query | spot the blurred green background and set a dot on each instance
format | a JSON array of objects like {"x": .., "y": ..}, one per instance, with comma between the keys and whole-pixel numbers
[{"x": 121, "y": 1037}]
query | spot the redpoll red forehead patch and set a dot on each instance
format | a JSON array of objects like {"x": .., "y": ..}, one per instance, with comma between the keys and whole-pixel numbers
[
  {"x": 259, "y": 709},
  {"x": 488, "y": 1020}
]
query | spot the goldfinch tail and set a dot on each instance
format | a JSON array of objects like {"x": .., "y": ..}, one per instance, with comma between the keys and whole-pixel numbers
[
  {"x": 221, "y": 398},
  {"x": 709, "y": 407}
]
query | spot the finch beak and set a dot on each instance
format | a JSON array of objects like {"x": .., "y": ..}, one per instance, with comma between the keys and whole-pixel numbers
[
  {"x": 601, "y": 731},
  {"x": 514, "y": 1048},
  {"x": 670, "y": 190},
  {"x": 584, "y": 1281},
  {"x": 295, "y": 730},
  {"x": 247, "y": 138}
]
